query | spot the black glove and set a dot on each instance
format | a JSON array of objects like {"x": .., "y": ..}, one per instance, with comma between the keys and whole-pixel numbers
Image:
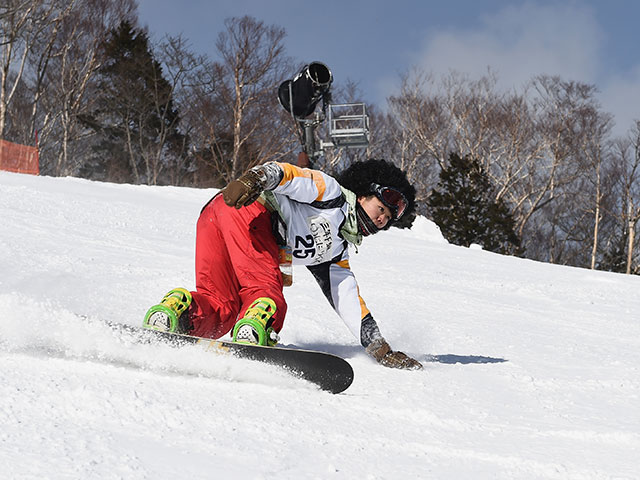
[
  {"x": 245, "y": 190},
  {"x": 381, "y": 351}
]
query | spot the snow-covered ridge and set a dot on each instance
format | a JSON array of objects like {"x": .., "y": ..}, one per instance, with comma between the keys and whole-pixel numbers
[{"x": 532, "y": 370}]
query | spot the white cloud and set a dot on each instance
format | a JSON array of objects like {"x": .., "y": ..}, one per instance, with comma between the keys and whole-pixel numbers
[
  {"x": 519, "y": 42},
  {"x": 621, "y": 96}
]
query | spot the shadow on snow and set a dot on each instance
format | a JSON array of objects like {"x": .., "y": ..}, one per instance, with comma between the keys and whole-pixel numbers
[{"x": 463, "y": 359}]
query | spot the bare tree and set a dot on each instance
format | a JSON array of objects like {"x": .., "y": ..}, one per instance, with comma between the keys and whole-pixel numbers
[
  {"x": 469, "y": 117},
  {"x": 52, "y": 16},
  {"x": 252, "y": 66},
  {"x": 626, "y": 170},
  {"x": 543, "y": 149},
  {"x": 632, "y": 187},
  {"x": 77, "y": 58},
  {"x": 29, "y": 31},
  {"x": 555, "y": 177},
  {"x": 16, "y": 36},
  {"x": 421, "y": 122},
  {"x": 593, "y": 146},
  {"x": 189, "y": 76}
]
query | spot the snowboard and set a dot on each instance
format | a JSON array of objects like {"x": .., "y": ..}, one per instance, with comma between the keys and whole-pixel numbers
[{"x": 329, "y": 372}]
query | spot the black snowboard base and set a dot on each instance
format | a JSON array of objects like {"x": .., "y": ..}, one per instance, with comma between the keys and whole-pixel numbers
[{"x": 329, "y": 372}]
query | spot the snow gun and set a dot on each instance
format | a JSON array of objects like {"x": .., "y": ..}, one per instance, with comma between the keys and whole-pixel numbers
[{"x": 348, "y": 123}]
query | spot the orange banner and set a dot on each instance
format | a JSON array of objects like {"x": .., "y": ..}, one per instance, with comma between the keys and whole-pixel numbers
[{"x": 19, "y": 158}]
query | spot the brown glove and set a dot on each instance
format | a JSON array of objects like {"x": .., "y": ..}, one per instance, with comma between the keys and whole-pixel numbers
[
  {"x": 245, "y": 190},
  {"x": 381, "y": 351}
]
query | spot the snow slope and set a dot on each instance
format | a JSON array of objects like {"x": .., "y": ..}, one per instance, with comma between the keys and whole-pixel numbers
[{"x": 531, "y": 370}]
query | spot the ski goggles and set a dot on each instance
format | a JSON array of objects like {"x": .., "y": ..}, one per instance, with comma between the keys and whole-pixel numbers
[{"x": 391, "y": 198}]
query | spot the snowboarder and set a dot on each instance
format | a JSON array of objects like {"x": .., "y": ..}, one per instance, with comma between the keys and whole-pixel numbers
[{"x": 276, "y": 211}]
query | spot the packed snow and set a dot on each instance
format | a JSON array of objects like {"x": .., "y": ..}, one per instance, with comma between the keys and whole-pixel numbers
[{"x": 531, "y": 370}]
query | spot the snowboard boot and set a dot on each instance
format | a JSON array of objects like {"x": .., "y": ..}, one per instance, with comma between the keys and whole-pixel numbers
[
  {"x": 165, "y": 316},
  {"x": 255, "y": 325}
]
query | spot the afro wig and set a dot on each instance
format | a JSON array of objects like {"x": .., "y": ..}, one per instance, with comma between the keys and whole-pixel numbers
[{"x": 359, "y": 176}]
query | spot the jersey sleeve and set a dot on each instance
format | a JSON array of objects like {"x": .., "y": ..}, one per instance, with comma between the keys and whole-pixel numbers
[
  {"x": 307, "y": 186},
  {"x": 339, "y": 285}
]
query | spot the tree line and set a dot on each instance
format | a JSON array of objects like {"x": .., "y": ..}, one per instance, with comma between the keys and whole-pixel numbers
[
  {"x": 570, "y": 187},
  {"x": 534, "y": 172},
  {"x": 109, "y": 104}
]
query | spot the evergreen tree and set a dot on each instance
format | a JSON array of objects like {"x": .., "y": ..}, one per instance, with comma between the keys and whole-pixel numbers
[
  {"x": 463, "y": 205},
  {"x": 615, "y": 255},
  {"x": 133, "y": 114}
]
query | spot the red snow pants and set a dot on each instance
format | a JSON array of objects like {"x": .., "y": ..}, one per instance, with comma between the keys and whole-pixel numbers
[{"x": 236, "y": 263}]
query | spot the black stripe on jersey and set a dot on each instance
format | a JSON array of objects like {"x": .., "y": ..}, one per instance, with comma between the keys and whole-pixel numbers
[
  {"x": 369, "y": 330},
  {"x": 337, "y": 202},
  {"x": 321, "y": 274}
]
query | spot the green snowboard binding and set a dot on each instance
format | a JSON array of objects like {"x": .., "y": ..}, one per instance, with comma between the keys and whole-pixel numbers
[
  {"x": 165, "y": 316},
  {"x": 254, "y": 327}
]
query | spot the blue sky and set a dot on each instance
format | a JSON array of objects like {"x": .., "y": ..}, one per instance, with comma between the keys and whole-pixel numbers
[{"x": 373, "y": 42}]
